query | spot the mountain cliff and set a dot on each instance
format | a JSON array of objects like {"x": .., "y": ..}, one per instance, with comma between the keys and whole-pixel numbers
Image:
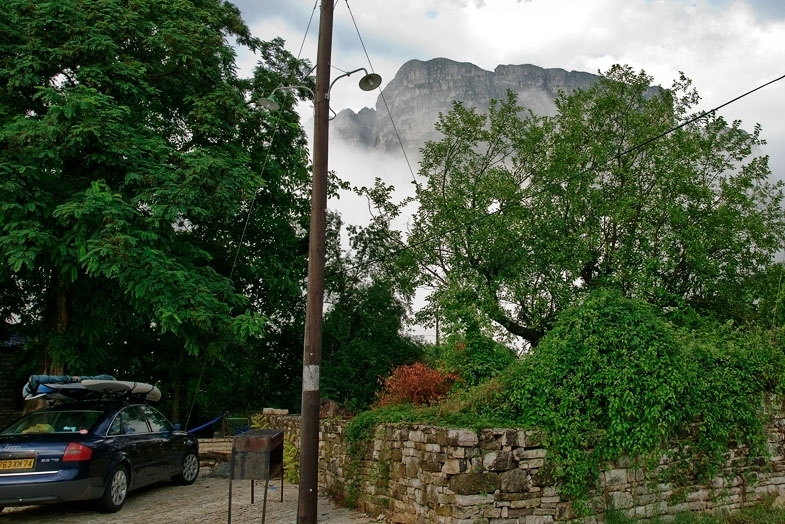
[{"x": 422, "y": 90}]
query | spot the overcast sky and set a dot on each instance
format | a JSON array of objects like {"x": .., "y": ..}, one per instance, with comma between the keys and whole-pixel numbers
[{"x": 727, "y": 47}]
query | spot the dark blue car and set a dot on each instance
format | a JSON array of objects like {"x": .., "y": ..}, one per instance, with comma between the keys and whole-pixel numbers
[{"x": 92, "y": 450}]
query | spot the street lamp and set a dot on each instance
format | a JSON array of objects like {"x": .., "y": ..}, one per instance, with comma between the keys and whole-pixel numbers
[
  {"x": 368, "y": 82},
  {"x": 312, "y": 343}
]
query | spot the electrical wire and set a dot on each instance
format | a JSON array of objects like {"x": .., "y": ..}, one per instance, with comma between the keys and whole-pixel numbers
[
  {"x": 251, "y": 208},
  {"x": 307, "y": 29},
  {"x": 381, "y": 93}
]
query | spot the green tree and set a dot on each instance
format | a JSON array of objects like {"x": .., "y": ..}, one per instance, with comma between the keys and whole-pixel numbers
[
  {"x": 148, "y": 207},
  {"x": 363, "y": 342},
  {"x": 520, "y": 215},
  {"x": 367, "y": 309},
  {"x": 476, "y": 358}
]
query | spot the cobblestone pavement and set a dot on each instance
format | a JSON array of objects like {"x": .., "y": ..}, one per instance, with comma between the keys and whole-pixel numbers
[{"x": 204, "y": 502}]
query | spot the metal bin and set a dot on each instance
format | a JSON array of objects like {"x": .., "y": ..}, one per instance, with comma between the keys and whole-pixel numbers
[{"x": 256, "y": 455}]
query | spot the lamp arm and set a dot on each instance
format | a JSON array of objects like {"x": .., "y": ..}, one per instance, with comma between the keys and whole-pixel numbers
[
  {"x": 346, "y": 74},
  {"x": 294, "y": 87}
]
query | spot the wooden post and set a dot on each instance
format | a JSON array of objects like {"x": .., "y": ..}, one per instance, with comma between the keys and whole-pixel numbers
[{"x": 312, "y": 345}]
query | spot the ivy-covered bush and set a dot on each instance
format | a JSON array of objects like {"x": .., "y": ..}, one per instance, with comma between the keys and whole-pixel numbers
[
  {"x": 605, "y": 381},
  {"x": 727, "y": 373},
  {"x": 615, "y": 378}
]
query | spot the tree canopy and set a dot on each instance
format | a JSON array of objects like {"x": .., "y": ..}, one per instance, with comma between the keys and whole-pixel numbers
[
  {"x": 148, "y": 205},
  {"x": 519, "y": 215}
]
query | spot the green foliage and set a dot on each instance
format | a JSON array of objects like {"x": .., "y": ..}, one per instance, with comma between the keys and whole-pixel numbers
[
  {"x": 605, "y": 381},
  {"x": 147, "y": 207},
  {"x": 475, "y": 358},
  {"x": 361, "y": 428},
  {"x": 727, "y": 373},
  {"x": 617, "y": 377},
  {"x": 613, "y": 377},
  {"x": 763, "y": 513},
  {"x": 519, "y": 216},
  {"x": 362, "y": 343}
]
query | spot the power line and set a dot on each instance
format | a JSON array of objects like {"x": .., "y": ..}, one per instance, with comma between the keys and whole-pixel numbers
[
  {"x": 267, "y": 153},
  {"x": 381, "y": 93}
]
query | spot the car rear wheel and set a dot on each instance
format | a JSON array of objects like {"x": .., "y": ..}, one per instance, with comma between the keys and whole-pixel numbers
[
  {"x": 190, "y": 469},
  {"x": 116, "y": 491}
]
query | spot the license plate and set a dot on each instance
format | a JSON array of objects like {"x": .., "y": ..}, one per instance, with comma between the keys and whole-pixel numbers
[{"x": 17, "y": 464}]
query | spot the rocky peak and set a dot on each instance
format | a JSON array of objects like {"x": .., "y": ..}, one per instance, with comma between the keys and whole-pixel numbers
[{"x": 422, "y": 90}]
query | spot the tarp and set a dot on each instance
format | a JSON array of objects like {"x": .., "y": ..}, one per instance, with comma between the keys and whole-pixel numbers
[{"x": 33, "y": 388}]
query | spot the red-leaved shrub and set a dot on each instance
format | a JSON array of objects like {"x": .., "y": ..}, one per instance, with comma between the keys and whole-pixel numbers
[{"x": 416, "y": 383}]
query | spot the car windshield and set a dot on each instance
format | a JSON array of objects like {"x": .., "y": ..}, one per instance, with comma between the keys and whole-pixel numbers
[{"x": 71, "y": 421}]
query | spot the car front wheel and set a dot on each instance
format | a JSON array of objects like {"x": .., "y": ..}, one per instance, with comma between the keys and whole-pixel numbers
[
  {"x": 190, "y": 470},
  {"x": 116, "y": 491}
]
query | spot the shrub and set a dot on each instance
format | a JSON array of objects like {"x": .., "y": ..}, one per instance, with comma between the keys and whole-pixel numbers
[
  {"x": 606, "y": 378},
  {"x": 417, "y": 384},
  {"x": 476, "y": 358}
]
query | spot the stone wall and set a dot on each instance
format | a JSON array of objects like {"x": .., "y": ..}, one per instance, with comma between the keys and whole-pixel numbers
[{"x": 421, "y": 474}]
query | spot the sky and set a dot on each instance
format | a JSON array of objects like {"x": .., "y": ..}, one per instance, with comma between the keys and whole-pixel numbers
[{"x": 727, "y": 47}]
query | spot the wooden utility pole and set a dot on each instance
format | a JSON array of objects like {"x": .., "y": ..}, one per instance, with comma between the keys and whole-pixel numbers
[{"x": 312, "y": 346}]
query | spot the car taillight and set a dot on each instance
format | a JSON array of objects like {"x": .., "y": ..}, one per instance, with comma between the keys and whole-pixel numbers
[{"x": 75, "y": 452}]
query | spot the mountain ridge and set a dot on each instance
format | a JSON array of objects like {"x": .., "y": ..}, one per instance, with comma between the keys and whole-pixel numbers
[{"x": 421, "y": 90}]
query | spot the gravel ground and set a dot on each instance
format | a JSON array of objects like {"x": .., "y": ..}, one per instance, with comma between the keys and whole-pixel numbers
[{"x": 206, "y": 501}]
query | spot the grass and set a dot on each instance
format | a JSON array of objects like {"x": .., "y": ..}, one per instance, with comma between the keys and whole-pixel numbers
[{"x": 761, "y": 514}]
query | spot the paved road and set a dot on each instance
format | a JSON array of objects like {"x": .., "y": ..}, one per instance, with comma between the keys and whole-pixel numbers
[{"x": 204, "y": 502}]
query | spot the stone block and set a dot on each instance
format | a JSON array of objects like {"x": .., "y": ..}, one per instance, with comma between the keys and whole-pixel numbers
[
  {"x": 412, "y": 467},
  {"x": 474, "y": 483},
  {"x": 463, "y": 501},
  {"x": 621, "y": 500},
  {"x": 538, "y": 519},
  {"x": 514, "y": 481},
  {"x": 456, "y": 452},
  {"x": 645, "y": 498},
  {"x": 490, "y": 440},
  {"x": 529, "y": 503},
  {"x": 699, "y": 494},
  {"x": 435, "y": 457},
  {"x": 528, "y": 454},
  {"x": 510, "y": 438},
  {"x": 615, "y": 478},
  {"x": 453, "y": 466},
  {"x": 431, "y": 466},
  {"x": 462, "y": 437},
  {"x": 498, "y": 461}
]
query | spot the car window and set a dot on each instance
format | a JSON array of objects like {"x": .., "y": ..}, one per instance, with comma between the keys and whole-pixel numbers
[
  {"x": 134, "y": 421},
  {"x": 64, "y": 421},
  {"x": 117, "y": 426},
  {"x": 158, "y": 422}
]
